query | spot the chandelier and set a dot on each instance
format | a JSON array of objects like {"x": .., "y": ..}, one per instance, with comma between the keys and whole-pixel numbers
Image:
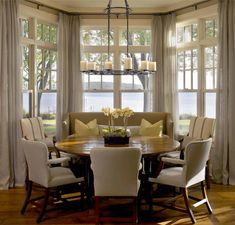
[{"x": 144, "y": 68}]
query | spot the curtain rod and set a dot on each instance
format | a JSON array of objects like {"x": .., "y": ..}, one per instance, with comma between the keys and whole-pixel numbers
[{"x": 38, "y": 5}]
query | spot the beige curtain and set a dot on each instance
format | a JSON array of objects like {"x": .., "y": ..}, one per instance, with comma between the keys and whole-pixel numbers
[
  {"x": 164, "y": 85},
  {"x": 12, "y": 165},
  {"x": 69, "y": 98},
  {"x": 223, "y": 166}
]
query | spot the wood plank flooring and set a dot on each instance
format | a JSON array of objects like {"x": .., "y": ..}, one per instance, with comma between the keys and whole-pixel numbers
[{"x": 222, "y": 199}]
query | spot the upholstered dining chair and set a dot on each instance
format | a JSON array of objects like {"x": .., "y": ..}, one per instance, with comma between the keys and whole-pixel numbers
[
  {"x": 200, "y": 128},
  {"x": 191, "y": 172},
  {"x": 116, "y": 172},
  {"x": 51, "y": 179},
  {"x": 33, "y": 130}
]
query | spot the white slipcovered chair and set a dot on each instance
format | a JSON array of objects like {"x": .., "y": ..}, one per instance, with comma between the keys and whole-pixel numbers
[
  {"x": 200, "y": 128},
  {"x": 33, "y": 130},
  {"x": 116, "y": 171},
  {"x": 40, "y": 172},
  {"x": 191, "y": 172}
]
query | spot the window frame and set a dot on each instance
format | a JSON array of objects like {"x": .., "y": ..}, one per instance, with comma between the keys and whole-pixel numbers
[
  {"x": 199, "y": 17},
  {"x": 117, "y": 25},
  {"x": 35, "y": 16}
]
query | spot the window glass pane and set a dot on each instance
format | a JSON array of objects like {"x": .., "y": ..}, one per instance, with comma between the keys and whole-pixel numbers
[
  {"x": 107, "y": 82},
  {"x": 210, "y": 105},
  {"x": 195, "y": 79},
  {"x": 46, "y": 33},
  {"x": 47, "y": 110},
  {"x": 133, "y": 100},
  {"x": 180, "y": 79},
  {"x": 195, "y": 58},
  {"x": 188, "y": 79},
  {"x": 209, "y": 28},
  {"x": 188, "y": 59},
  {"x": 53, "y": 80},
  {"x": 180, "y": 34},
  {"x": 96, "y": 37},
  {"x": 187, "y": 33},
  {"x": 136, "y": 37},
  {"x": 209, "y": 78},
  {"x": 194, "y": 32},
  {"x": 95, "y": 82},
  {"x": 180, "y": 60},
  {"x": 209, "y": 57},
  {"x": 95, "y": 101},
  {"x": 187, "y": 109},
  {"x": 27, "y": 109},
  {"x": 25, "y": 69},
  {"x": 39, "y": 31},
  {"x": 24, "y": 28},
  {"x": 53, "y": 34}
]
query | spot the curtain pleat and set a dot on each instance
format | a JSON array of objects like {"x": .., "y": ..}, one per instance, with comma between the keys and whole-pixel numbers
[
  {"x": 164, "y": 85},
  {"x": 69, "y": 97},
  {"x": 223, "y": 167},
  {"x": 12, "y": 166}
]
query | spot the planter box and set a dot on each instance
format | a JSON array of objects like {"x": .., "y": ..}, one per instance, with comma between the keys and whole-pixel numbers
[{"x": 116, "y": 140}]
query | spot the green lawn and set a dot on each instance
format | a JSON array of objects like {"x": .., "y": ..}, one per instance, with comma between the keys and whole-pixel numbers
[{"x": 49, "y": 126}]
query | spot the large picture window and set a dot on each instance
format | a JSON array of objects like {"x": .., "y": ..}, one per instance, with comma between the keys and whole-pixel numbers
[
  {"x": 39, "y": 70},
  {"x": 110, "y": 90},
  {"x": 196, "y": 70}
]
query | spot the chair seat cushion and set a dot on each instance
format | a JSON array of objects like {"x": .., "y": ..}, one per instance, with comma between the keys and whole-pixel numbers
[
  {"x": 62, "y": 176},
  {"x": 49, "y": 143},
  {"x": 170, "y": 176}
]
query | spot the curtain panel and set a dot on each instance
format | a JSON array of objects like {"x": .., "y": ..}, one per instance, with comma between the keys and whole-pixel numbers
[
  {"x": 223, "y": 167},
  {"x": 69, "y": 97},
  {"x": 12, "y": 166},
  {"x": 164, "y": 85}
]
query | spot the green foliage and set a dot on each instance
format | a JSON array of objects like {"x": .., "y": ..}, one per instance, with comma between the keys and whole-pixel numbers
[
  {"x": 114, "y": 132},
  {"x": 48, "y": 116}
]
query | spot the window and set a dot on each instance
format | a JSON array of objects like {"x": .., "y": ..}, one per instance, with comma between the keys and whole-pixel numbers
[
  {"x": 196, "y": 70},
  {"x": 108, "y": 90},
  {"x": 39, "y": 70}
]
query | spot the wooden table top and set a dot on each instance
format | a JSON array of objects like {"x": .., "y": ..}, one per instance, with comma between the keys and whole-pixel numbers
[{"x": 149, "y": 145}]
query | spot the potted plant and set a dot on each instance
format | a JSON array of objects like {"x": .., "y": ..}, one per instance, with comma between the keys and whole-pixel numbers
[{"x": 116, "y": 135}]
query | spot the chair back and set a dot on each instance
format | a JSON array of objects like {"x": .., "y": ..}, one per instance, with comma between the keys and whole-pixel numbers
[
  {"x": 201, "y": 127},
  {"x": 116, "y": 171},
  {"x": 196, "y": 156},
  {"x": 32, "y": 128},
  {"x": 36, "y": 155}
]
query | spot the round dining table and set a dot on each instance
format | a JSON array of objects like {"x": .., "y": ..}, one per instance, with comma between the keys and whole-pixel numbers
[{"x": 151, "y": 148}]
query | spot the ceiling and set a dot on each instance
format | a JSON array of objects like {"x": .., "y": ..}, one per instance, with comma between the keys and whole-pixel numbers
[{"x": 97, "y": 6}]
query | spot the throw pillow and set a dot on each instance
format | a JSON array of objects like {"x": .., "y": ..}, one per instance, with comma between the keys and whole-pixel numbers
[
  {"x": 84, "y": 130},
  {"x": 149, "y": 129}
]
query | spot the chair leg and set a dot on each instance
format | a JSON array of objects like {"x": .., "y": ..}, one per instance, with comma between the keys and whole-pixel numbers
[
  {"x": 186, "y": 200},
  {"x": 205, "y": 197},
  {"x": 135, "y": 211},
  {"x": 43, "y": 210},
  {"x": 207, "y": 175},
  {"x": 97, "y": 210},
  {"x": 28, "y": 195}
]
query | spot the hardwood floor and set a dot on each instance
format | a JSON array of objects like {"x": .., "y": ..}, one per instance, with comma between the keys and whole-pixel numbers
[{"x": 221, "y": 197}]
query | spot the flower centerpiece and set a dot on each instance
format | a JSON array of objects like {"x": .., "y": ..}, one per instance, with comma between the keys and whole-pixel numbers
[{"x": 117, "y": 135}]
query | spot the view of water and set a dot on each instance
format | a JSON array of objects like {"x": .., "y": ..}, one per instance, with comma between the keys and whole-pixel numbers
[{"x": 95, "y": 101}]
